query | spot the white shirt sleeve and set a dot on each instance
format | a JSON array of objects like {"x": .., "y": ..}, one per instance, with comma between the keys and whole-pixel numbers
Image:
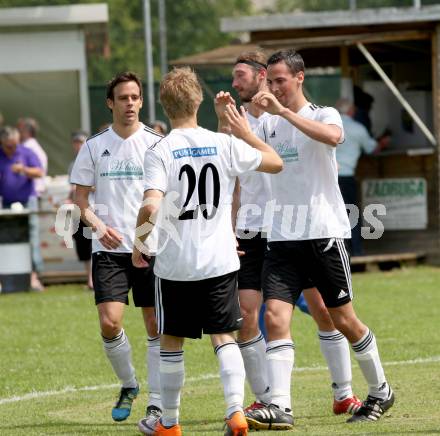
[
  {"x": 155, "y": 173},
  {"x": 329, "y": 115},
  {"x": 244, "y": 158},
  {"x": 83, "y": 171}
]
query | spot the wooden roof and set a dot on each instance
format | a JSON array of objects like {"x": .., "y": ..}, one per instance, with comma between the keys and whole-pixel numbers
[
  {"x": 326, "y": 19},
  {"x": 222, "y": 56}
]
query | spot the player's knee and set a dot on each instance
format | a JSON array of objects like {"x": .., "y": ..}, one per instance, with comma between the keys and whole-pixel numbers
[
  {"x": 323, "y": 319},
  {"x": 275, "y": 324},
  {"x": 250, "y": 315},
  {"x": 349, "y": 326},
  {"x": 110, "y": 328},
  {"x": 249, "y": 329}
]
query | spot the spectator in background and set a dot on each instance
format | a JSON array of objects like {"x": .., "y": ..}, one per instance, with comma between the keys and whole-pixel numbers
[
  {"x": 19, "y": 167},
  {"x": 83, "y": 245},
  {"x": 2, "y": 120},
  {"x": 357, "y": 140},
  {"x": 363, "y": 103},
  {"x": 28, "y": 129},
  {"x": 160, "y": 127}
]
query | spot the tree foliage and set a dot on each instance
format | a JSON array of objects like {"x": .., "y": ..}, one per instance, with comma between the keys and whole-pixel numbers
[{"x": 192, "y": 26}]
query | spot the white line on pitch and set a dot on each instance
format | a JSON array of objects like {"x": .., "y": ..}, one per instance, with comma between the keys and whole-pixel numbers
[{"x": 70, "y": 389}]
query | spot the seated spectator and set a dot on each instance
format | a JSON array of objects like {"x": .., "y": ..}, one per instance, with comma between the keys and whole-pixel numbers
[
  {"x": 19, "y": 166},
  {"x": 28, "y": 129},
  {"x": 83, "y": 245}
]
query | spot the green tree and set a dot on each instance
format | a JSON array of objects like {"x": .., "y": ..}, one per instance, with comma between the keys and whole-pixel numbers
[{"x": 193, "y": 26}]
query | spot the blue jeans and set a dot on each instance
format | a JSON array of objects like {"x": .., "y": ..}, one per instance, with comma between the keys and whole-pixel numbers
[{"x": 34, "y": 235}]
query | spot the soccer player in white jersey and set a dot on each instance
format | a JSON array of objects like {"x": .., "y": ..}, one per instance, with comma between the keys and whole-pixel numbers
[
  {"x": 190, "y": 179},
  {"x": 307, "y": 241},
  {"x": 112, "y": 162},
  {"x": 253, "y": 189},
  {"x": 249, "y": 77}
]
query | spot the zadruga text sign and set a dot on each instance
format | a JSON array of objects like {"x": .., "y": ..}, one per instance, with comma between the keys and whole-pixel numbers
[{"x": 405, "y": 201}]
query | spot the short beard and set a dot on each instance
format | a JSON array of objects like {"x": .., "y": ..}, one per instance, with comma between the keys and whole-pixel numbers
[{"x": 247, "y": 98}]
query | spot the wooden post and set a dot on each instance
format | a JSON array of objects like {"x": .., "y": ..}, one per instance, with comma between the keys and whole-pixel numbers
[
  {"x": 345, "y": 62},
  {"x": 346, "y": 80}
]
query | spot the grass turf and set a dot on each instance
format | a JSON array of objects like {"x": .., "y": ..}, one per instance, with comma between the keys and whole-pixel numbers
[{"x": 54, "y": 379}]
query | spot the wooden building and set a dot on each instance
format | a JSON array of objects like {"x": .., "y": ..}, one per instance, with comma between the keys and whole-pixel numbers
[
  {"x": 43, "y": 70},
  {"x": 393, "y": 54}
]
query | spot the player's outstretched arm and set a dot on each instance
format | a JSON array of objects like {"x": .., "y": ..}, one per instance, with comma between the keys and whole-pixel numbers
[
  {"x": 271, "y": 161},
  {"x": 329, "y": 134},
  {"x": 109, "y": 237}
]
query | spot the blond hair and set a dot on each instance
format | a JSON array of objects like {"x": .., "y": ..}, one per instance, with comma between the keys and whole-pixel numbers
[{"x": 180, "y": 93}]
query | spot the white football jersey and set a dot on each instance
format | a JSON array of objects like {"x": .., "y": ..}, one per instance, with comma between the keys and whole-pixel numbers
[
  {"x": 196, "y": 170},
  {"x": 254, "y": 191},
  {"x": 309, "y": 204},
  {"x": 115, "y": 167}
]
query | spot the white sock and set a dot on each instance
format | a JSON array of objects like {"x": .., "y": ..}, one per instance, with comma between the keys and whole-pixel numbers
[
  {"x": 172, "y": 377},
  {"x": 367, "y": 355},
  {"x": 118, "y": 351},
  {"x": 280, "y": 359},
  {"x": 336, "y": 352},
  {"x": 233, "y": 375},
  {"x": 153, "y": 359},
  {"x": 255, "y": 364}
]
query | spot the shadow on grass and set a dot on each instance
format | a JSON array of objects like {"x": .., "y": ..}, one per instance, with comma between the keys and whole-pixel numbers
[{"x": 81, "y": 427}]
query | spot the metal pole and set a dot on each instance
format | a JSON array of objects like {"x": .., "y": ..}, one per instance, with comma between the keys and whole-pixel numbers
[
  {"x": 149, "y": 72},
  {"x": 397, "y": 94},
  {"x": 417, "y": 4},
  {"x": 163, "y": 38},
  {"x": 353, "y": 6}
]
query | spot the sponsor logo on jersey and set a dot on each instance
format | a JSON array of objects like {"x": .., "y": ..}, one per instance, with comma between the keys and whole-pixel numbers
[
  {"x": 123, "y": 169},
  {"x": 106, "y": 153},
  {"x": 273, "y": 134},
  {"x": 194, "y": 152},
  {"x": 288, "y": 152}
]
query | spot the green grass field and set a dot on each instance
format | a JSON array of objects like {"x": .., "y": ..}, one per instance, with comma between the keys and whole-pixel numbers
[{"x": 54, "y": 379}]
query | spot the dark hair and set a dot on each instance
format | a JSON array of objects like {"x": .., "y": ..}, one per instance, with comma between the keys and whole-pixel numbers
[
  {"x": 291, "y": 58},
  {"x": 127, "y": 76},
  {"x": 30, "y": 125}
]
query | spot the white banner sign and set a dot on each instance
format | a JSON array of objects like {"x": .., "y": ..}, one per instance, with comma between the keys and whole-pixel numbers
[{"x": 405, "y": 201}]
